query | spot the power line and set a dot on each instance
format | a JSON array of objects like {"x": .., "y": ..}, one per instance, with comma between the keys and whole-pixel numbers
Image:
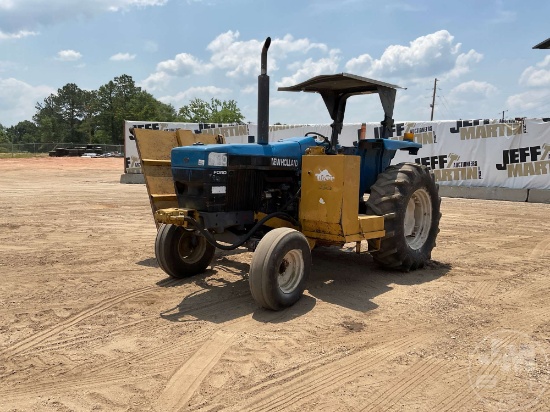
[{"x": 447, "y": 104}]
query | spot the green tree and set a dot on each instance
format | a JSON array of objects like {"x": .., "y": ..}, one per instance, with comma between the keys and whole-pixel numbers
[
  {"x": 80, "y": 116},
  {"x": 197, "y": 111},
  {"x": 225, "y": 112},
  {"x": 3, "y": 135},
  {"x": 23, "y": 132},
  {"x": 59, "y": 118},
  {"x": 48, "y": 120},
  {"x": 217, "y": 111},
  {"x": 70, "y": 103},
  {"x": 121, "y": 100},
  {"x": 90, "y": 112},
  {"x": 144, "y": 106}
]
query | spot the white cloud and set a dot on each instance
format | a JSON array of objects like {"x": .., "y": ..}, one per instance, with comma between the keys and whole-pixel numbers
[
  {"x": 202, "y": 92},
  {"x": 536, "y": 99},
  {"x": 182, "y": 65},
  {"x": 463, "y": 63},
  {"x": 68, "y": 55},
  {"x": 25, "y": 15},
  {"x": 250, "y": 89},
  {"x": 310, "y": 68},
  {"x": 426, "y": 56},
  {"x": 241, "y": 58},
  {"x": 472, "y": 90},
  {"x": 155, "y": 81},
  {"x": 237, "y": 57},
  {"x": 16, "y": 35},
  {"x": 122, "y": 57},
  {"x": 533, "y": 100},
  {"x": 538, "y": 76},
  {"x": 18, "y": 100}
]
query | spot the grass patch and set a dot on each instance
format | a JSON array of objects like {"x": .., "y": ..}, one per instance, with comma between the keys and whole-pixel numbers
[{"x": 21, "y": 155}]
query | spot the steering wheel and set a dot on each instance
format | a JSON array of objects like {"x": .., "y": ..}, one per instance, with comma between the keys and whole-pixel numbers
[{"x": 325, "y": 139}]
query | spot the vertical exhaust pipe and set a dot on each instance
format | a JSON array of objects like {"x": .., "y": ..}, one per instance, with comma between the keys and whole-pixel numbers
[{"x": 263, "y": 97}]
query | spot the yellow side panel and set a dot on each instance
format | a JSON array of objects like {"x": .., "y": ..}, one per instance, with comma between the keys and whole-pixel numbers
[
  {"x": 350, "y": 201},
  {"x": 159, "y": 179},
  {"x": 330, "y": 194},
  {"x": 371, "y": 223},
  {"x": 322, "y": 188},
  {"x": 155, "y": 144},
  {"x": 154, "y": 147},
  {"x": 187, "y": 138},
  {"x": 329, "y": 203}
]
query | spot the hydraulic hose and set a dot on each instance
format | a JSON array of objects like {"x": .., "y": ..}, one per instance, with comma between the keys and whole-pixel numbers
[{"x": 208, "y": 236}]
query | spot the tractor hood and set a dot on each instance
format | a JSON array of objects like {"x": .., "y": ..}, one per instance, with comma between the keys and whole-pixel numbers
[{"x": 286, "y": 153}]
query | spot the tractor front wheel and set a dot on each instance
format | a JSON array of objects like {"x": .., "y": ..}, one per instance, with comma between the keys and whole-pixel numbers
[
  {"x": 407, "y": 196},
  {"x": 280, "y": 267},
  {"x": 181, "y": 253}
]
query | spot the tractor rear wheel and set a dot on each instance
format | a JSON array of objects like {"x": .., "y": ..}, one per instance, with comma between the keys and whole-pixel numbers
[
  {"x": 408, "y": 197},
  {"x": 181, "y": 253},
  {"x": 280, "y": 267}
]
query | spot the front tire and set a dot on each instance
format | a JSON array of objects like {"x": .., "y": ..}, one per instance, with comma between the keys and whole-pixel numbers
[
  {"x": 280, "y": 268},
  {"x": 181, "y": 253},
  {"x": 408, "y": 197}
]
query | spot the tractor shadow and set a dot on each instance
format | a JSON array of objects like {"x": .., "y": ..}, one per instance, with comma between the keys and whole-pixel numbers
[
  {"x": 347, "y": 279},
  {"x": 338, "y": 277}
]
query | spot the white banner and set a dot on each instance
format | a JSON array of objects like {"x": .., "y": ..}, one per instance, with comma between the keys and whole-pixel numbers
[
  {"x": 232, "y": 133},
  {"x": 483, "y": 152},
  {"x": 486, "y": 153}
]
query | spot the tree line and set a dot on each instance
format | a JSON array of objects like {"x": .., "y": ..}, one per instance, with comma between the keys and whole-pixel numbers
[{"x": 86, "y": 117}]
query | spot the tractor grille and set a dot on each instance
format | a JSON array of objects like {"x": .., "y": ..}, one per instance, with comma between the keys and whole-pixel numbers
[{"x": 244, "y": 190}]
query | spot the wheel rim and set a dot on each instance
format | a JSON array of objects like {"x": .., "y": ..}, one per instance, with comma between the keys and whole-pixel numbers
[
  {"x": 191, "y": 248},
  {"x": 418, "y": 219},
  {"x": 291, "y": 271}
]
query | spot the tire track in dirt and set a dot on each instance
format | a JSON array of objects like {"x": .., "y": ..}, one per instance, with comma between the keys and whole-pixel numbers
[
  {"x": 542, "y": 249},
  {"x": 185, "y": 381},
  {"x": 205, "y": 311},
  {"x": 482, "y": 290},
  {"x": 155, "y": 361},
  {"x": 456, "y": 400},
  {"x": 159, "y": 360},
  {"x": 187, "y": 378},
  {"x": 37, "y": 338},
  {"x": 520, "y": 288},
  {"x": 306, "y": 382},
  {"x": 408, "y": 381}
]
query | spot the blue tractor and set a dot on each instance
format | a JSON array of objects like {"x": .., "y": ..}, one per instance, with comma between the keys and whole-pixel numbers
[{"x": 282, "y": 199}]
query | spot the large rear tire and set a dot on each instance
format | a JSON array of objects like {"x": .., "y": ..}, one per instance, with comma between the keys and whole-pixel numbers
[
  {"x": 408, "y": 197},
  {"x": 181, "y": 253},
  {"x": 280, "y": 268}
]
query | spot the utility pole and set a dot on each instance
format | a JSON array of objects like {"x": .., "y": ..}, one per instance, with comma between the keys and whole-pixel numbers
[{"x": 433, "y": 100}]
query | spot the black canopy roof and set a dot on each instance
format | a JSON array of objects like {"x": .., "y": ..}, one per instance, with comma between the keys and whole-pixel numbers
[
  {"x": 544, "y": 45},
  {"x": 335, "y": 90},
  {"x": 343, "y": 83}
]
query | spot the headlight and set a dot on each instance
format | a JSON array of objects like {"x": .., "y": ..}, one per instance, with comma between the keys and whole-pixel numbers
[{"x": 217, "y": 159}]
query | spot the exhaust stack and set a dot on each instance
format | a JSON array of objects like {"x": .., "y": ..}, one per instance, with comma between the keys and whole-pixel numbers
[{"x": 263, "y": 97}]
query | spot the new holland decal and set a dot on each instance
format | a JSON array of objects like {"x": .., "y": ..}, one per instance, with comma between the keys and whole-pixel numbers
[{"x": 284, "y": 162}]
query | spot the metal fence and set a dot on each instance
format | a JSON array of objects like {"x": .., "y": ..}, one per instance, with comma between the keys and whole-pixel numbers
[{"x": 44, "y": 148}]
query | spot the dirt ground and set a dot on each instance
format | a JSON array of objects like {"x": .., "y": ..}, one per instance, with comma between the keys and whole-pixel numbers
[{"x": 89, "y": 322}]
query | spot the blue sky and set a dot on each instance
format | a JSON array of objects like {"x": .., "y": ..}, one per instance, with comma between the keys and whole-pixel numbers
[{"x": 481, "y": 52}]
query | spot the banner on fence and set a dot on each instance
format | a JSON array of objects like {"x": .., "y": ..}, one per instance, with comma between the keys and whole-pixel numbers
[
  {"x": 481, "y": 153},
  {"x": 233, "y": 134}
]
